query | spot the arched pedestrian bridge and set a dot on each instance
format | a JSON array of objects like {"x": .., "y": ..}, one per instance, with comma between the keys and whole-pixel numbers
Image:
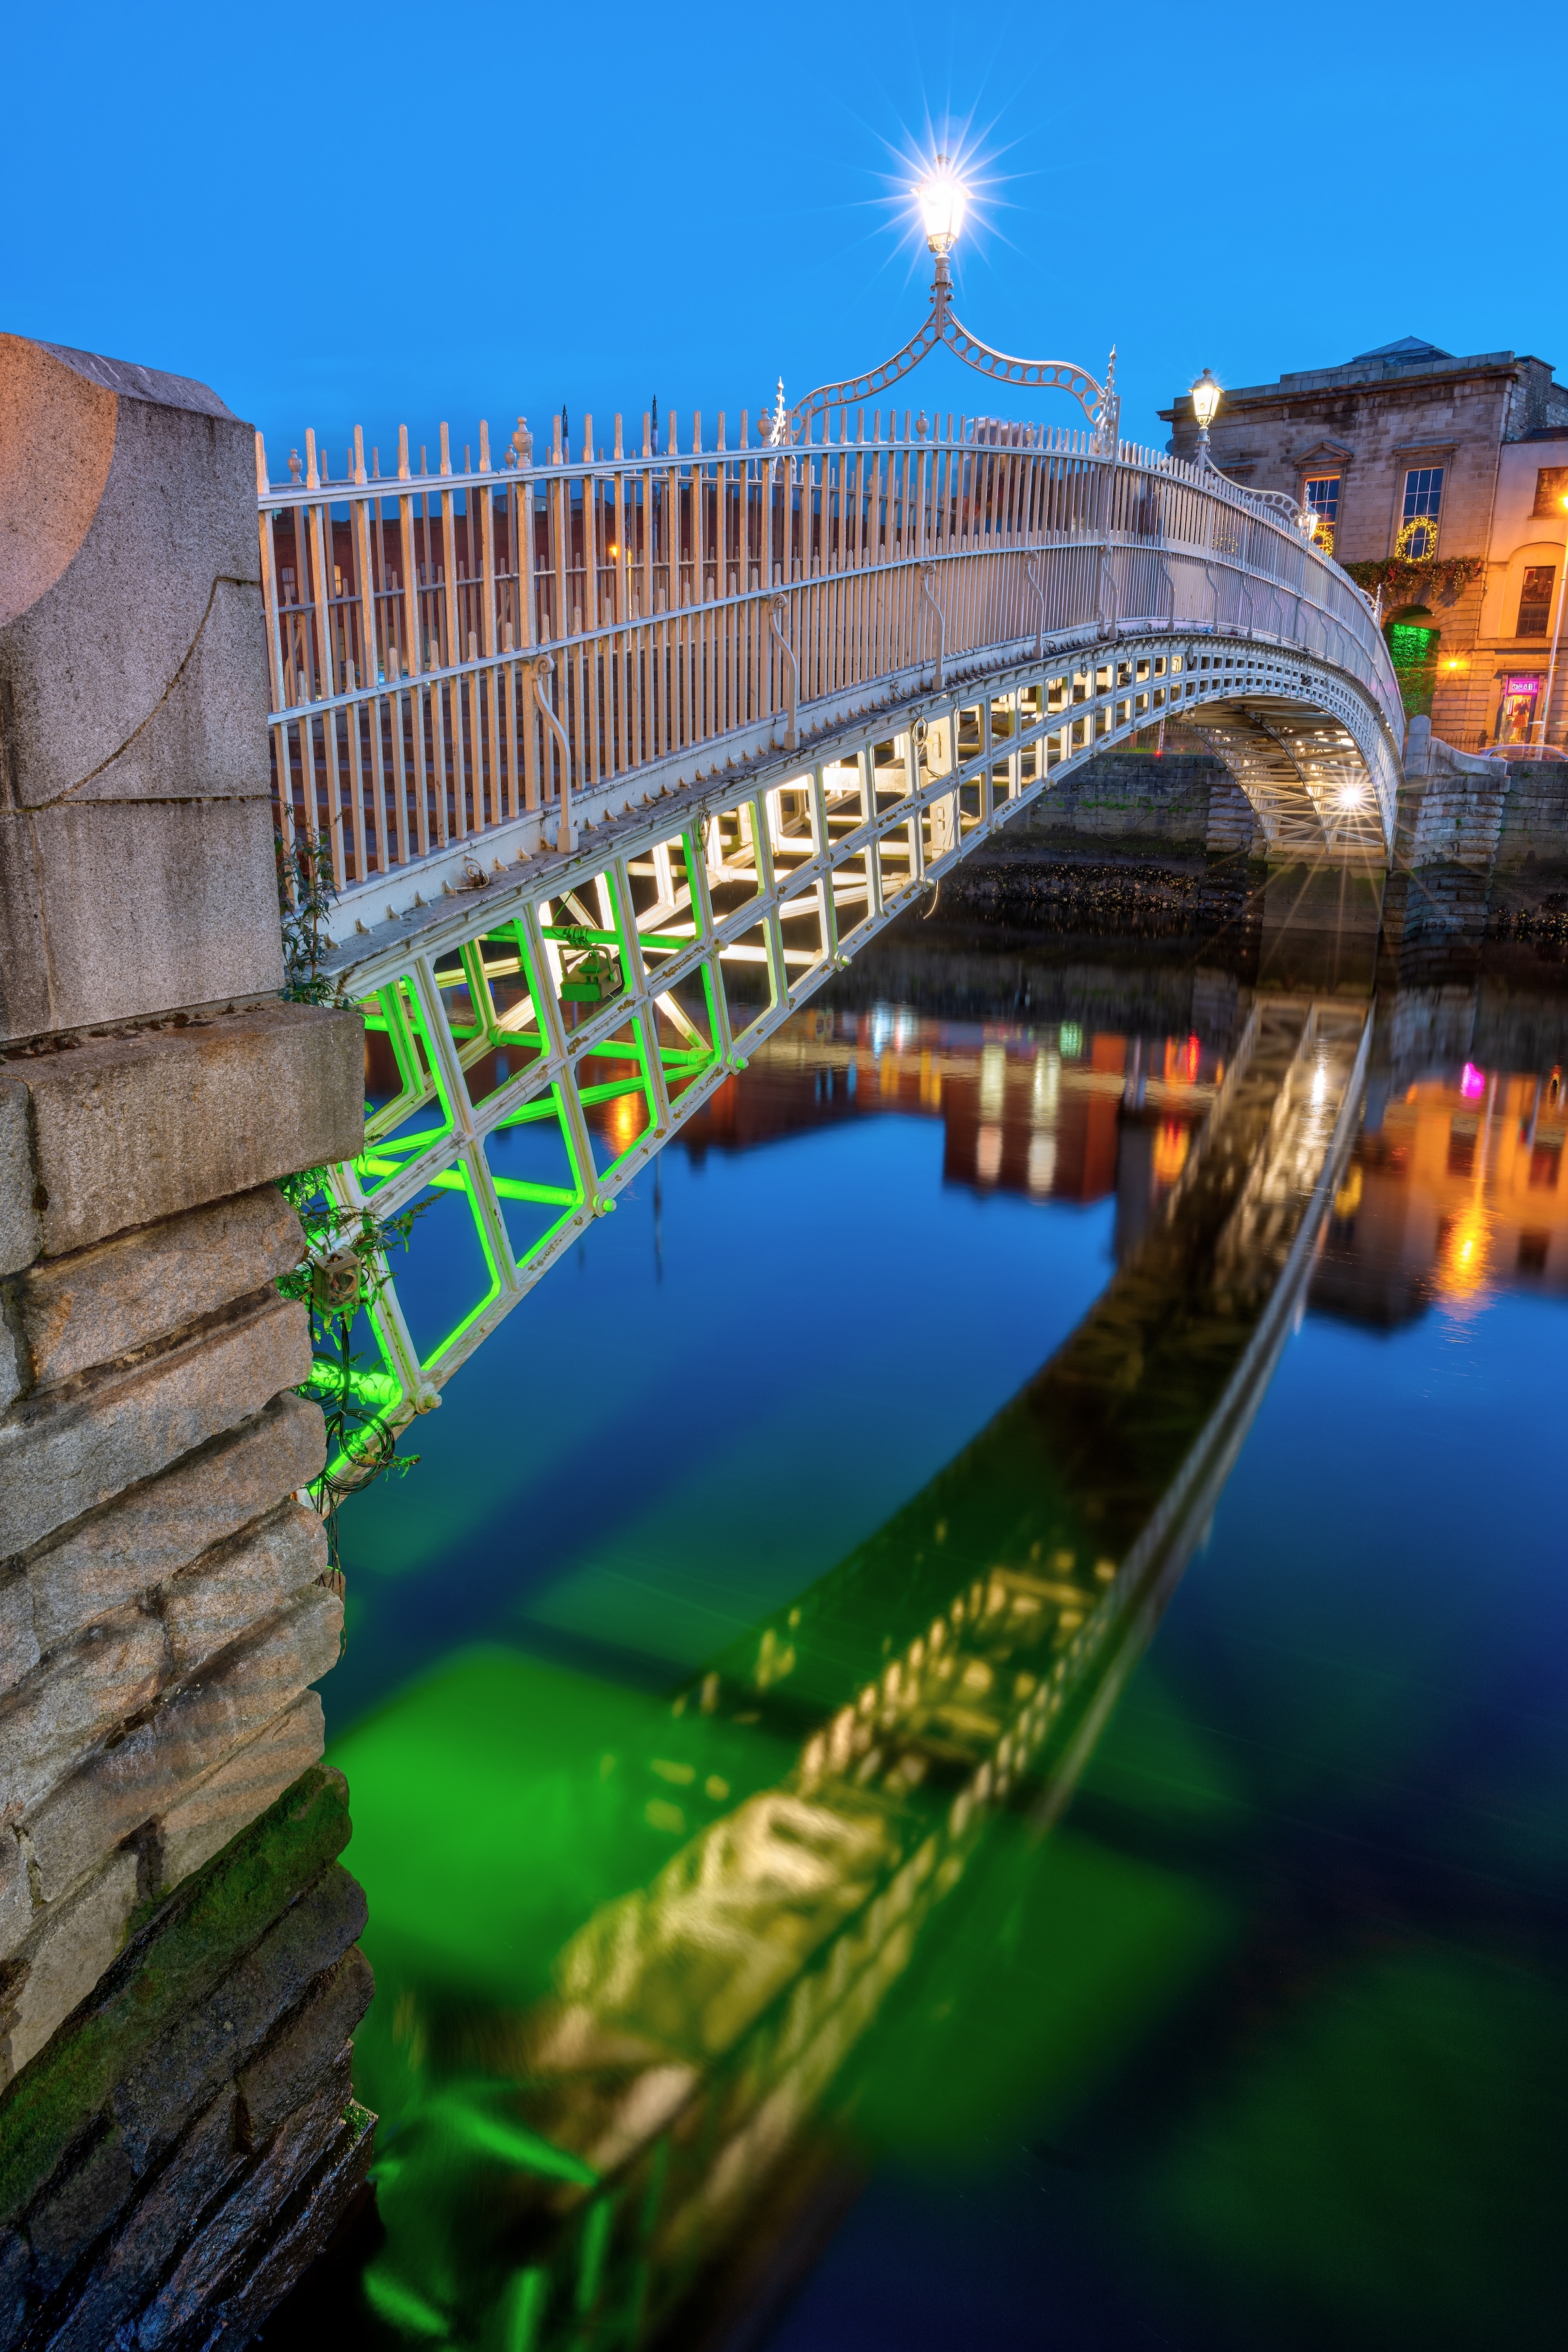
[{"x": 619, "y": 756}]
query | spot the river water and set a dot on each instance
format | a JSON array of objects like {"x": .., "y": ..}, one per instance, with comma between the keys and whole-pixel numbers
[{"x": 1189, "y": 1968}]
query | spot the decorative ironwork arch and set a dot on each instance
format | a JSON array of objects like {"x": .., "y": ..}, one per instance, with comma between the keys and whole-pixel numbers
[{"x": 1100, "y": 403}]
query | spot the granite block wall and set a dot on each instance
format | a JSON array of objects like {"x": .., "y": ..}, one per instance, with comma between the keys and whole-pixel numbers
[
  {"x": 179, "y": 1976},
  {"x": 175, "y": 2156},
  {"x": 164, "y": 1616},
  {"x": 1451, "y": 803},
  {"x": 1532, "y": 831}
]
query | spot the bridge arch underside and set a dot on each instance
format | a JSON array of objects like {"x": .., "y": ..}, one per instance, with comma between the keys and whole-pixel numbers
[
  {"x": 533, "y": 1039},
  {"x": 1311, "y": 785},
  {"x": 1303, "y": 737}
]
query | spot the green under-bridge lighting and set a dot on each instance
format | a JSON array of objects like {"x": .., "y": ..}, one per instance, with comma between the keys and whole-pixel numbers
[{"x": 380, "y": 1391}]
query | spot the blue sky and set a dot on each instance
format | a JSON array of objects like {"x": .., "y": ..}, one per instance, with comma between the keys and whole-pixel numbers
[{"x": 396, "y": 214}]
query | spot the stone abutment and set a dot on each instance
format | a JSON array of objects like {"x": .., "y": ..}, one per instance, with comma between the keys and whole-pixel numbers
[{"x": 179, "y": 1970}]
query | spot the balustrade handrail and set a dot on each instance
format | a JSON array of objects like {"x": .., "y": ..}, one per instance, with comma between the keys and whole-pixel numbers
[{"x": 405, "y": 613}]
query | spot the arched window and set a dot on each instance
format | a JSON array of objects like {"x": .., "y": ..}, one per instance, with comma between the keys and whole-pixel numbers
[{"x": 1412, "y": 643}]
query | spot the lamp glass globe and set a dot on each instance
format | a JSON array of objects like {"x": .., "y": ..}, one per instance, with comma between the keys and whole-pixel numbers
[{"x": 943, "y": 200}]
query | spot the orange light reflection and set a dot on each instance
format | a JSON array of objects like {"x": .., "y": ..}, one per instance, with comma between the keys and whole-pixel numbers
[
  {"x": 1464, "y": 1257},
  {"x": 1171, "y": 1145}
]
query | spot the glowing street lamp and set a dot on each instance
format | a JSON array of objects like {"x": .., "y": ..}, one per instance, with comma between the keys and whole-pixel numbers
[
  {"x": 1206, "y": 392},
  {"x": 1205, "y": 400},
  {"x": 944, "y": 201}
]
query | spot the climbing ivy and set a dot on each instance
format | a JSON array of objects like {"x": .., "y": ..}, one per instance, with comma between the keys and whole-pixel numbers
[
  {"x": 343, "y": 1269},
  {"x": 304, "y": 901},
  {"x": 1407, "y": 581}
]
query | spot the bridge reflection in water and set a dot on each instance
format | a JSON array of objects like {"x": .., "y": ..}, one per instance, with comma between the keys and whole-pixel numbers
[
  {"x": 573, "y": 2169},
  {"x": 1020, "y": 1114}
]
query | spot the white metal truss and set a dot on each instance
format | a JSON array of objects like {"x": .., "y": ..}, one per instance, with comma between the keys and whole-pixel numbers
[
  {"x": 630, "y": 978},
  {"x": 1304, "y": 773}
]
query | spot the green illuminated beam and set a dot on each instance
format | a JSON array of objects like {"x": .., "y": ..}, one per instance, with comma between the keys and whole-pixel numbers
[
  {"x": 510, "y": 1188},
  {"x": 380, "y": 1391}
]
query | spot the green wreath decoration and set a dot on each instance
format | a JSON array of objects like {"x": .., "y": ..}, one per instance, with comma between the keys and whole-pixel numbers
[{"x": 1405, "y": 549}]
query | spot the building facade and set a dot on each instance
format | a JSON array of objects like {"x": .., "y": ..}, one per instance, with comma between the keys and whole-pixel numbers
[{"x": 1440, "y": 479}]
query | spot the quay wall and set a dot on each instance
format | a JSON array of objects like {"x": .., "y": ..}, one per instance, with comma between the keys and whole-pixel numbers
[
  {"x": 1180, "y": 801},
  {"x": 1479, "y": 839}
]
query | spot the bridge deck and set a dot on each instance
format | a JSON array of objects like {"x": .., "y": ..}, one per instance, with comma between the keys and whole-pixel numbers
[{"x": 470, "y": 668}]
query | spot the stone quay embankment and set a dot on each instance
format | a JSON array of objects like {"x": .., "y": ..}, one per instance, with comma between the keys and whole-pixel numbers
[{"x": 1171, "y": 843}]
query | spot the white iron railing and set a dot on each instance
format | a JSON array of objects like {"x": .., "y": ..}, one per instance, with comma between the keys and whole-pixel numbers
[{"x": 453, "y": 652}]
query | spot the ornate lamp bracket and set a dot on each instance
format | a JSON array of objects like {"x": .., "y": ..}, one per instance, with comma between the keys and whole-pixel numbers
[{"x": 1099, "y": 401}]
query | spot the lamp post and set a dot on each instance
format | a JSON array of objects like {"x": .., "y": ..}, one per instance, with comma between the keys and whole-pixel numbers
[
  {"x": 1205, "y": 399},
  {"x": 944, "y": 201},
  {"x": 1557, "y": 632}
]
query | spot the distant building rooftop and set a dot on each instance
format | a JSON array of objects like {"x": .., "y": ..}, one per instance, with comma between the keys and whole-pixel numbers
[
  {"x": 1410, "y": 356},
  {"x": 1408, "y": 347}
]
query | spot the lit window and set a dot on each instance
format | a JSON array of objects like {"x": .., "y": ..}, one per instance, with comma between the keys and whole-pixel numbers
[
  {"x": 1551, "y": 482},
  {"x": 1515, "y": 711},
  {"x": 1321, "y": 493},
  {"x": 1423, "y": 503},
  {"x": 1535, "y": 601}
]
